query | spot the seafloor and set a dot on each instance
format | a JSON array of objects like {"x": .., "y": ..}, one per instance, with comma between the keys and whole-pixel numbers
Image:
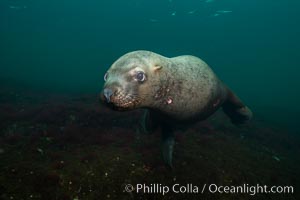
[{"x": 55, "y": 146}]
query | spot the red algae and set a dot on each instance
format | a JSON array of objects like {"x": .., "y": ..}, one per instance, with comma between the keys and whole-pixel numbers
[
  {"x": 68, "y": 148},
  {"x": 13, "y": 138},
  {"x": 58, "y": 164},
  {"x": 90, "y": 157},
  {"x": 51, "y": 179}
]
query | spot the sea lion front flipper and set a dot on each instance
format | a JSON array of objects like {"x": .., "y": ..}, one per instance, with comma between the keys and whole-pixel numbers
[
  {"x": 167, "y": 145},
  {"x": 148, "y": 122},
  {"x": 234, "y": 108}
]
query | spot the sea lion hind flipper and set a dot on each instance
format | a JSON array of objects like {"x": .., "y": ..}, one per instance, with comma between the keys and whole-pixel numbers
[{"x": 235, "y": 109}]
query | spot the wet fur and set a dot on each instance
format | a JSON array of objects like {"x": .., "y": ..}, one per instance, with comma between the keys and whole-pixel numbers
[{"x": 176, "y": 91}]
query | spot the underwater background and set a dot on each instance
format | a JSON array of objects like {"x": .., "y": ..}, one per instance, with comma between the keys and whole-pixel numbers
[{"x": 58, "y": 142}]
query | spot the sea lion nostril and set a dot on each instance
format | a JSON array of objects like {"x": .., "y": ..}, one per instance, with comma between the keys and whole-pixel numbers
[{"x": 107, "y": 93}]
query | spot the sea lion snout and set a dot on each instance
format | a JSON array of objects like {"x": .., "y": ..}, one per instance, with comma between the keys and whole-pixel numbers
[
  {"x": 118, "y": 99},
  {"x": 107, "y": 94}
]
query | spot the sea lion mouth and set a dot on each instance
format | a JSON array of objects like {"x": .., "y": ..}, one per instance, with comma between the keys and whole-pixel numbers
[{"x": 121, "y": 101}]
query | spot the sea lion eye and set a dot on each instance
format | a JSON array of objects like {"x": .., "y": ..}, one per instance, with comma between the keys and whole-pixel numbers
[
  {"x": 140, "y": 76},
  {"x": 105, "y": 76}
]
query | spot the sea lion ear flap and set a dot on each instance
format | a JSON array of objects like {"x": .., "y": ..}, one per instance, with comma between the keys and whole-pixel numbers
[{"x": 157, "y": 67}]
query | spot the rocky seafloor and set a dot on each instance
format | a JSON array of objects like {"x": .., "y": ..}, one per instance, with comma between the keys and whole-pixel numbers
[{"x": 55, "y": 146}]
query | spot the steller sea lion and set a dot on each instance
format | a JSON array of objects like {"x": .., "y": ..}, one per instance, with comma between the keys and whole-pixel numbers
[{"x": 174, "y": 91}]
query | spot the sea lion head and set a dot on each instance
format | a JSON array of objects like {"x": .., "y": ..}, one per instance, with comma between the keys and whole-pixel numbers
[{"x": 132, "y": 80}]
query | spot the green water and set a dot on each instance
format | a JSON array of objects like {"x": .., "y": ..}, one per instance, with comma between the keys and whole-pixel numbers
[
  {"x": 67, "y": 45},
  {"x": 58, "y": 142}
]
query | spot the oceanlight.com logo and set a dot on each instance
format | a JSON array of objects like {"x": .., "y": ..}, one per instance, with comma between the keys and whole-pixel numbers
[{"x": 157, "y": 188}]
